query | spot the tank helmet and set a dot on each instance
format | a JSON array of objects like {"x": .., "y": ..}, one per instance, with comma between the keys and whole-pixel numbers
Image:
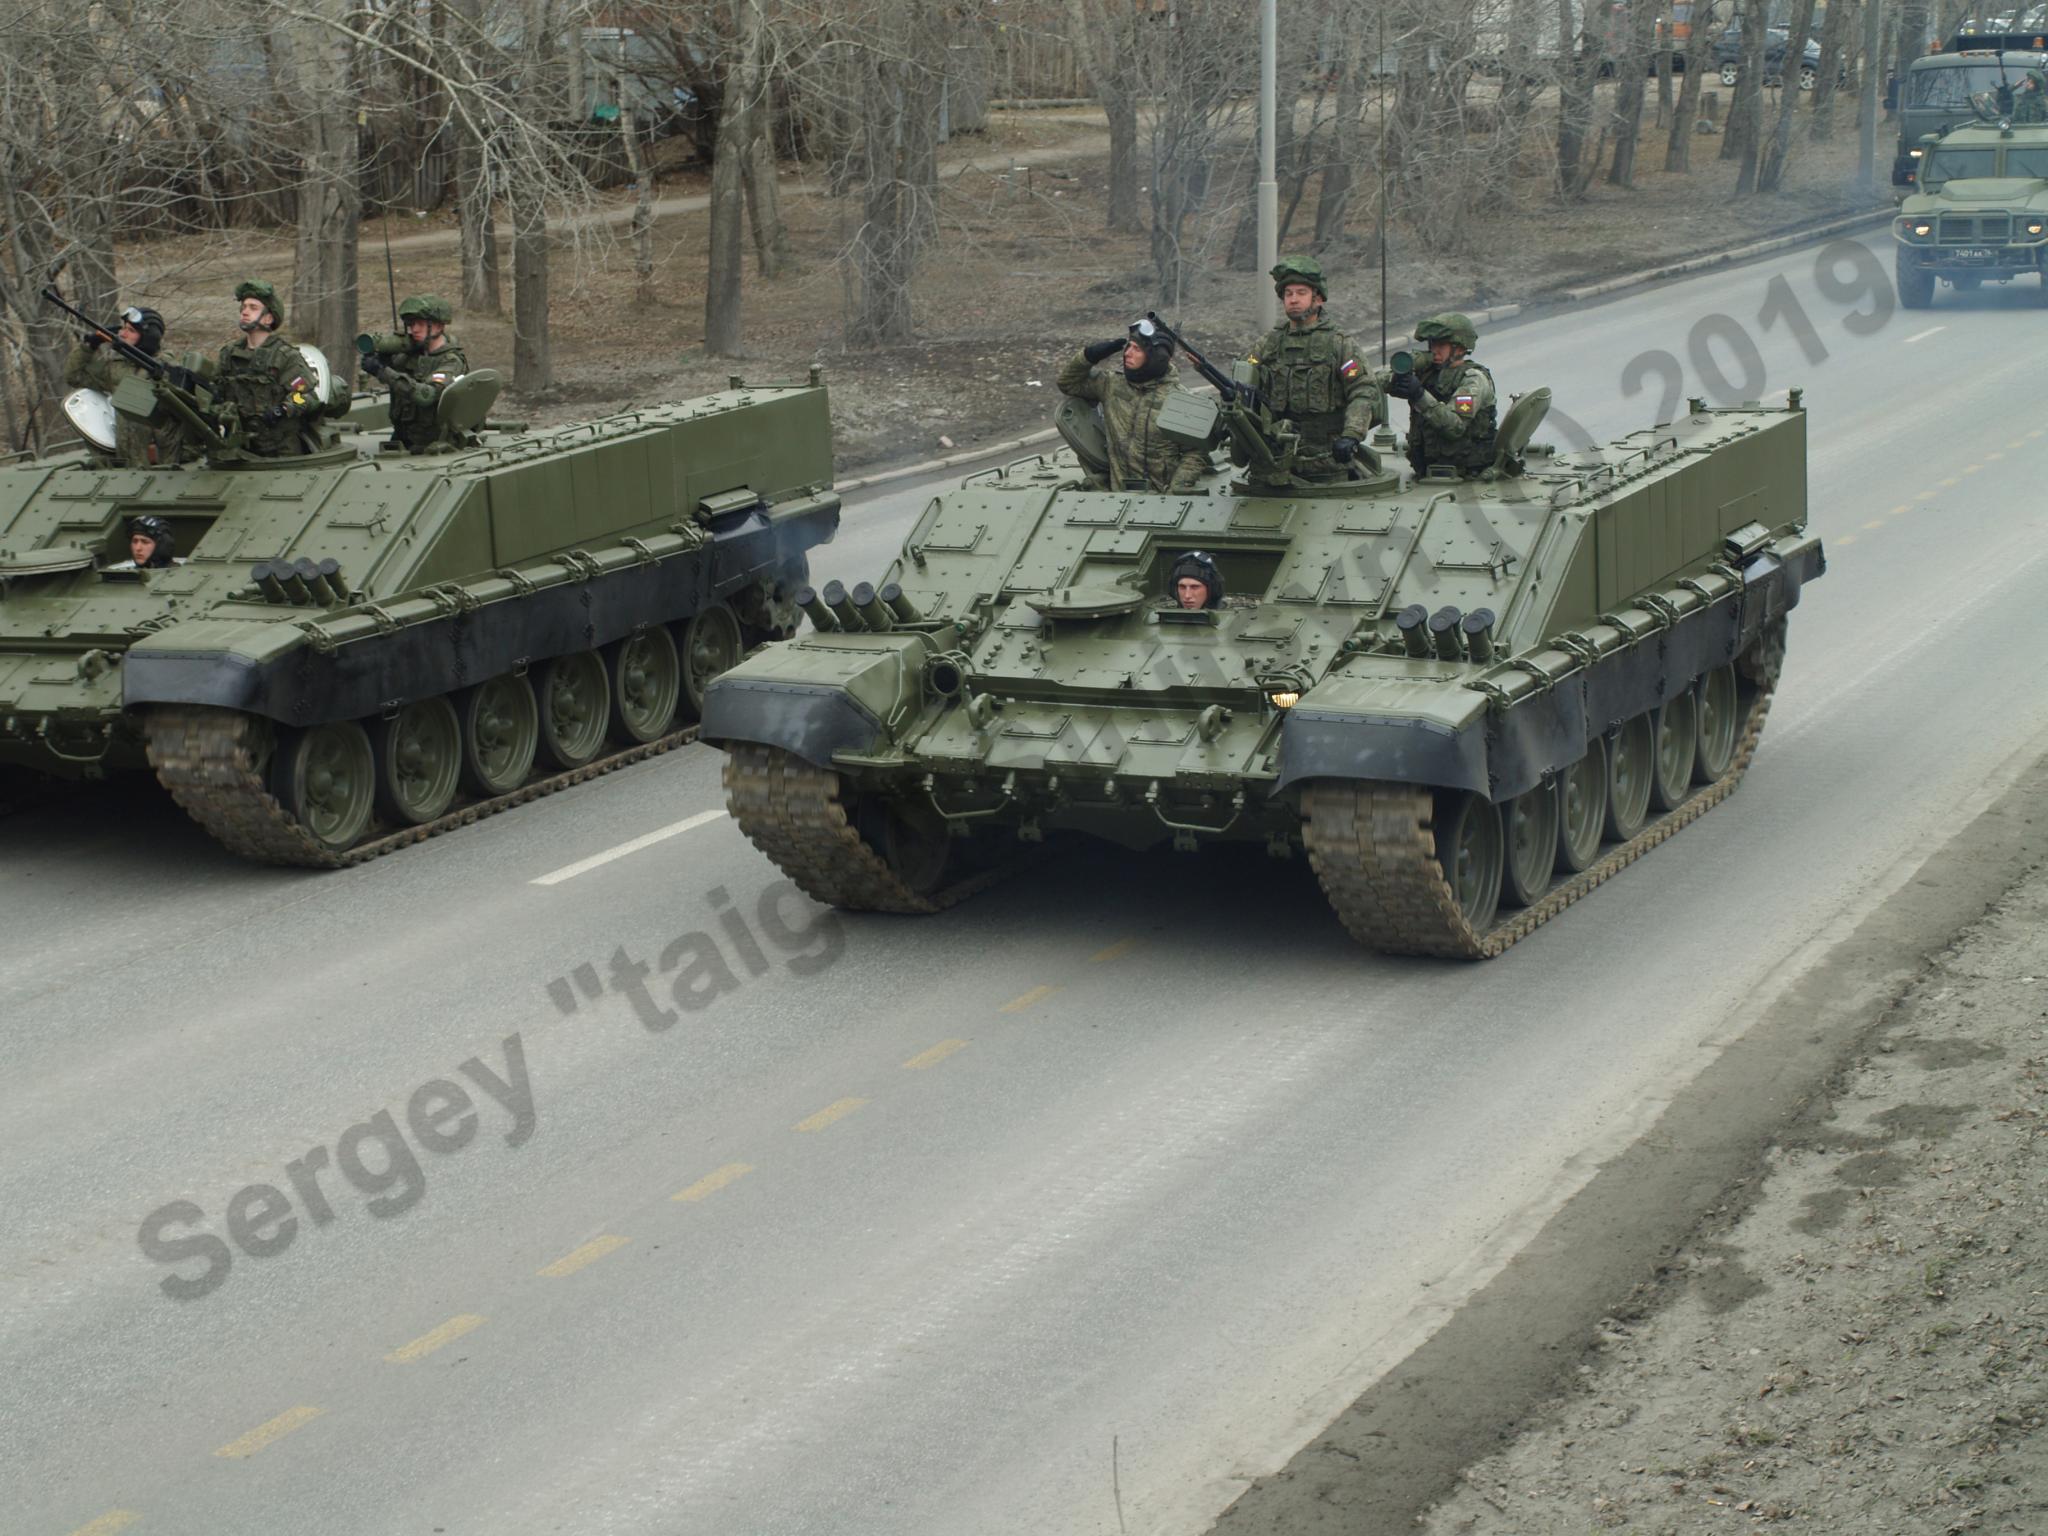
[
  {"x": 149, "y": 326},
  {"x": 1202, "y": 567},
  {"x": 1452, "y": 327},
  {"x": 257, "y": 288},
  {"x": 158, "y": 532},
  {"x": 1158, "y": 353},
  {"x": 1300, "y": 269},
  {"x": 425, "y": 306}
]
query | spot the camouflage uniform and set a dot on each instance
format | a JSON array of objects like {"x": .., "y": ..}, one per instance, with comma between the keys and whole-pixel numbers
[
  {"x": 273, "y": 376},
  {"x": 1312, "y": 376},
  {"x": 417, "y": 379},
  {"x": 1140, "y": 456},
  {"x": 2030, "y": 100},
  {"x": 1453, "y": 422},
  {"x": 103, "y": 369}
]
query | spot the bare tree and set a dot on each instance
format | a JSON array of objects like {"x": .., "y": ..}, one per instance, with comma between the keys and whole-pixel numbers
[
  {"x": 1771, "y": 172},
  {"x": 318, "y": 70},
  {"x": 1698, "y": 50},
  {"x": 1106, "y": 38},
  {"x": 1633, "y": 65}
]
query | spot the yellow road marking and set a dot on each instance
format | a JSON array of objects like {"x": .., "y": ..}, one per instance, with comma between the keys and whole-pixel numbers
[
  {"x": 1971, "y": 469},
  {"x": 714, "y": 1181},
  {"x": 1925, "y": 496},
  {"x": 1115, "y": 951},
  {"x": 1875, "y": 522},
  {"x": 934, "y": 1056},
  {"x": 838, "y": 1110},
  {"x": 263, "y": 1434},
  {"x": 427, "y": 1343},
  {"x": 113, "y": 1520},
  {"x": 1847, "y": 538},
  {"x": 1901, "y": 507},
  {"x": 1996, "y": 455},
  {"x": 1952, "y": 480},
  {"x": 1035, "y": 995},
  {"x": 2037, "y": 431},
  {"x": 588, "y": 1254}
]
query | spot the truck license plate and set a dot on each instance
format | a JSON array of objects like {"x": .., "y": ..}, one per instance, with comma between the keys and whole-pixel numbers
[{"x": 1977, "y": 253}]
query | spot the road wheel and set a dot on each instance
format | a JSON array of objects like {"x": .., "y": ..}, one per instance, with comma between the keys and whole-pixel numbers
[
  {"x": 1532, "y": 845},
  {"x": 1471, "y": 850},
  {"x": 1729, "y": 74},
  {"x": 574, "y": 708},
  {"x": 1631, "y": 764},
  {"x": 918, "y": 849},
  {"x": 711, "y": 644},
  {"x": 1677, "y": 732},
  {"x": 1916, "y": 283},
  {"x": 647, "y": 680},
  {"x": 326, "y": 777},
  {"x": 1807, "y": 75},
  {"x": 1720, "y": 711},
  {"x": 1582, "y": 809},
  {"x": 500, "y": 734},
  {"x": 419, "y": 761}
]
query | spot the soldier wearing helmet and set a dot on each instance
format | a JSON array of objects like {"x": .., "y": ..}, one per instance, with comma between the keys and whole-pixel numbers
[
  {"x": 265, "y": 378},
  {"x": 150, "y": 546},
  {"x": 93, "y": 365},
  {"x": 1196, "y": 583},
  {"x": 1310, "y": 374},
  {"x": 1141, "y": 457},
  {"x": 1450, "y": 400},
  {"x": 417, "y": 377}
]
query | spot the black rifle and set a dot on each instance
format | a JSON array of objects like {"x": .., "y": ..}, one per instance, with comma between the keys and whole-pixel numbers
[
  {"x": 135, "y": 355},
  {"x": 174, "y": 385},
  {"x": 1226, "y": 386}
]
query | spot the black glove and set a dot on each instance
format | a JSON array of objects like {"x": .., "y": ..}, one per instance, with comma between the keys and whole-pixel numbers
[
  {"x": 1405, "y": 386},
  {"x": 375, "y": 366},
  {"x": 1247, "y": 396},
  {"x": 1096, "y": 351},
  {"x": 1343, "y": 448},
  {"x": 92, "y": 339},
  {"x": 273, "y": 416}
]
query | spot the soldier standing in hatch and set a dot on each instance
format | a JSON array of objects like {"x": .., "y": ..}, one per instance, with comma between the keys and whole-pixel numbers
[
  {"x": 417, "y": 376},
  {"x": 1141, "y": 457},
  {"x": 1310, "y": 374},
  {"x": 266, "y": 378},
  {"x": 1450, "y": 400},
  {"x": 92, "y": 366}
]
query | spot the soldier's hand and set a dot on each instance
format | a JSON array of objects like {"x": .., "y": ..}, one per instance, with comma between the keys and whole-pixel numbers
[
  {"x": 92, "y": 339},
  {"x": 1343, "y": 448},
  {"x": 1096, "y": 351},
  {"x": 375, "y": 366},
  {"x": 183, "y": 378},
  {"x": 273, "y": 416},
  {"x": 1405, "y": 386}
]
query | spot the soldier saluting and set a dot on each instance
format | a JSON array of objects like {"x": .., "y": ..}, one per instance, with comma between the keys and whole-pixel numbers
[
  {"x": 266, "y": 378},
  {"x": 417, "y": 377},
  {"x": 1311, "y": 375}
]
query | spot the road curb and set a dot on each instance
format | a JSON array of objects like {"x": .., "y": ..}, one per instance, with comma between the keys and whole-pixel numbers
[{"x": 1720, "y": 258}]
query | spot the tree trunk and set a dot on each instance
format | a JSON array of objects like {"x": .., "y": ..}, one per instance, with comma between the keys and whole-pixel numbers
[
  {"x": 1102, "y": 33},
  {"x": 1633, "y": 65},
  {"x": 1771, "y": 173},
  {"x": 728, "y": 213},
  {"x": 1678, "y": 147},
  {"x": 478, "y": 239},
  {"x": 1835, "y": 33},
  {"x": 1335, "y": 194},
  {"x": 1746, "y": 115},
  {"x": 764, "y": 197},
  {"x": 1574, "y": 100},
  {"x": 321, "y": 80},
  {"x": 642, "y": 227},
  {"x": 533, "y": 368}
]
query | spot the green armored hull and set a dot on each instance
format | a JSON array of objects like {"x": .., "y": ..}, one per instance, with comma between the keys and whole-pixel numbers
[
  {"x": 1463, "y": 701},
  {"x": 1980, "y": 214},
  {"x": 361, "y": 646}
]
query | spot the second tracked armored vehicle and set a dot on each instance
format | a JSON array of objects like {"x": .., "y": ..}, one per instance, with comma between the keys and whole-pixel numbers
[
  {"x": 357, "y": 646},
  {"x": 1464, "y": 702}
]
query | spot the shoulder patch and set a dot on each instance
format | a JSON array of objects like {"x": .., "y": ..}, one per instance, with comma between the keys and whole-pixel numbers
[
  {"x": 1462, "y": 404},
  {"x": 1350, "y": 370}
]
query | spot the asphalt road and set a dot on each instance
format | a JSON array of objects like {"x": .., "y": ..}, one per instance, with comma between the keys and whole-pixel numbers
[{"x": 1065, "y": 1212}]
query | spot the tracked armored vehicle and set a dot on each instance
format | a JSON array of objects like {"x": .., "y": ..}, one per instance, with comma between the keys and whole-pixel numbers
[
  {"x": 1465, "y": 702},
  {"x": 358, "y": 647}
]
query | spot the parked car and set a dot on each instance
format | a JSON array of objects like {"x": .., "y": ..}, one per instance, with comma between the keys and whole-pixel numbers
[{"x": 1728, "y": 56}]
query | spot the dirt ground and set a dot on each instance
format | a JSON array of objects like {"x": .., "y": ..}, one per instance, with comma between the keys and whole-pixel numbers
[
  {"x": 1866, "y": 1349},
  {"x": 1022, "y": 271}
]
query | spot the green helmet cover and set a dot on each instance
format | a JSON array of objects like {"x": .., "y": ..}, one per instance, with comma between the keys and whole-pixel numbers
[
  {"x": 1300, "y": 269},
  {"x": 257, "y": 288},
  {"x": 1451, "y": 327},
  {"x": 426, "y": 306}
]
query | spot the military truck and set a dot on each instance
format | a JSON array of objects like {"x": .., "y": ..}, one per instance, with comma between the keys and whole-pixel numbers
[
  {"x": 1979, "y": 215},
  {"x": 1464, "y": 701},
  {"x": 356, "y": 647},
  {"x": 1939, "y": 89}
]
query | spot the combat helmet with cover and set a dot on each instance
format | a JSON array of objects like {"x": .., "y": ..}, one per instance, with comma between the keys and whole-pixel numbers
[
  {"x": 257, "y": 288},
  {"x": 426, "y": 306},
  {"x": 1300, "y": 269},
  {"x": 1450, "y": 326}
]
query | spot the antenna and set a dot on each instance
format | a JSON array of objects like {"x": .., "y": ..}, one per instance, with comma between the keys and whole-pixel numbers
[
  {"x": 390, "y": 276},
  {"x": 1379, "y": 67}
]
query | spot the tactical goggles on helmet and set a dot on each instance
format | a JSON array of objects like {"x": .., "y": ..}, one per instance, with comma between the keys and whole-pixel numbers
[
  {"x": 1145, "y": 330},
  {"x": 132, "y": 316}
]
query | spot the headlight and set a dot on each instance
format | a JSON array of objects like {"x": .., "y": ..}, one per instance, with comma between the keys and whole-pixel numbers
[
  {"x": 1284, "y": 700},
  {"x": 2036, "y": 227},
  {"x": 1916, "y": 153},
  {"x": 1923, "y": 230}
]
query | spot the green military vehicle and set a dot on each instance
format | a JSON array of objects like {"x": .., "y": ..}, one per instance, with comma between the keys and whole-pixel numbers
[
  {"x": 1466, "y": 701},
  {"x": 357, "y": 647},
  {"x": 1941, "y": 90},
  {"x": 1979, "y": 215}
]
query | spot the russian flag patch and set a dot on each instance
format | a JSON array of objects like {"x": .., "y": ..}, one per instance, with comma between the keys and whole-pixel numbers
[{"x": 1350, "y": 368}]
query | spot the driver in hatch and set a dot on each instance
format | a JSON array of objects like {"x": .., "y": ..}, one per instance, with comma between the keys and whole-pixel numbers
[{"x": 1196, "y": 583}]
